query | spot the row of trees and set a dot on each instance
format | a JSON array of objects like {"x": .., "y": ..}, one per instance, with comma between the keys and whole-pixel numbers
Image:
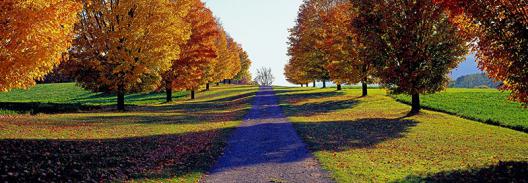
[
  {"x": 408, "y": 46},
  {"x": 118, "y": 46}
]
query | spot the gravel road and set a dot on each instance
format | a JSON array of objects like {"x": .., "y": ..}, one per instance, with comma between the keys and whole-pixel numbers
[{"x": 266, "y": 148}]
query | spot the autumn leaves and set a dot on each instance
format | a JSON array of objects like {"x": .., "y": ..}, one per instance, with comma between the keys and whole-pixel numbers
[
  {"x": 33, "y": 35},
  {"x": 118, "y": 47},
  {"x": 407, "y": 46}
]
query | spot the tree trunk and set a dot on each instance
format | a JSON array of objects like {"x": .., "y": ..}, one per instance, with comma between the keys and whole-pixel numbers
[
  {"x": 192, "y": 94},
  {"x": 228, "y": 81},
  {"x": 339, "y": 87},
  {"x": 168, "y": 91},
  {"x": 225, "y": 81},
  {"x": 217, "y": 83},
  {"x": 324, "y": 83},
  {"x": 301, "y": 85},
  {"x": 364, "y": 86},
  {"x": 415, "y": 104},
  {"x": 314, "y": 84},
  {"x": 207, "y": 87},
  {"x": 364, "y": 80},
  {"x": 120, "y": 98}
]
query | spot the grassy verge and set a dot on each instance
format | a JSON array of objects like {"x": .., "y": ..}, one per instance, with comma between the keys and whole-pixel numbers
[
  {"x": 484, "y": 105},
  {"x": 7, "y": 112},
  {"x": 173, "y": 142},
  {"x": 369, "y": 139},
  {"x": 68, "y": 97}
]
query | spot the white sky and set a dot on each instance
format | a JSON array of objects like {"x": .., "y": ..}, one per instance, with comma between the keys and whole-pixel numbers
[{"x": 261, "y": 26}]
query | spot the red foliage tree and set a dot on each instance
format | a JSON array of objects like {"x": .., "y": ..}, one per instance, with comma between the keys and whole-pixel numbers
[{"x": 498, "y": 29}]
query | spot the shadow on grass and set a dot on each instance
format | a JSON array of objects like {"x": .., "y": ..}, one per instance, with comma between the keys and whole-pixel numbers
[
  {"x": 313, "y": 108},
  {"x": 109, "y": 160},
  {"x": 149, "y": 118},
  {"x": 345, "y": 135},
  {"x": 217, "y": 104},
  {"x": 167, "y": 156},
  {"x": 509, "y": 171},
  {"x": 295, "y": 95},
  {"x": 79, "y": 105},
  {"x": 310, "y": 109},
  {"x": 105, "y": 160}
]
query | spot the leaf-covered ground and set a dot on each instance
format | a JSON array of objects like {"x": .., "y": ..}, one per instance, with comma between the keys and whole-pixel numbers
[
  {"x": 485, "y": 105},
  {"x": 369, "y": 139},
  {"x": 173, "y": 142}
]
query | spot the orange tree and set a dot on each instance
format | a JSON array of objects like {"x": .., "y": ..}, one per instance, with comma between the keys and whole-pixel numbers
[
  {"x": 33, "y": 37},
  {"x": 189, "y": 71},
  {"x": 294, "y": 71},
  {"x": 294, "y": 75},
  {"x": 342, "y": 47},
  {"x": 306, "y": 39},
  {"x": 414, "y": 47},
  {"x": 498, "y": 29},
  {"x": 125, "y": 46}
]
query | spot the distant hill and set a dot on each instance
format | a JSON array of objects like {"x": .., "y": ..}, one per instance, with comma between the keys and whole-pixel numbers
[
  {"x": 469, "y": 66},
  {"x": 474, "y": 81}
]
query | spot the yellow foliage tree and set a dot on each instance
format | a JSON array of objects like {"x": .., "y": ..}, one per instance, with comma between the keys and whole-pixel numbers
[
  {"x": 125, "y": 46},
  {"x": 233, "y": 60},
  {"x": 34, "y": 34},
  {"x": 219, "y": 71},
  {"x": 190, "y": 70}
]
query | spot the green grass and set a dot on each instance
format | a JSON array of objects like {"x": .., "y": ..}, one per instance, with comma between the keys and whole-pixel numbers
[
  {"x": 485, "y": 105},
  {"x": 369, "y": 139},
  {"x": 69, "y": 93},
  {"x": 7, "y": 112},
  {"x": 160, "y": 142}
]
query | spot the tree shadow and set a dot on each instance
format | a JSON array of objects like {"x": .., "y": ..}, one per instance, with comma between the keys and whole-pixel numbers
[
  {"x": 78, "y": 107},
  {"x": 176, "y": 118},
  {"x": 46, "y": 108},
  {"x": 108, "y": 160},
  {"x": 345, "y": 135},
  {"x": 294, "y": 95},
  {"x": 310, "y": 109},
  {"x": 291, "y": 97},
  {"x": 509, "y": 171}
]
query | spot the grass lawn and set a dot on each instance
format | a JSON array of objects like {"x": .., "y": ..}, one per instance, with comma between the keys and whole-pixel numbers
[
  {"x": 174, "y": 142},
  {"x": 369, "y": 139},
  {"x": 69, "y": 93},
  {"x": 485, "y": 105}
]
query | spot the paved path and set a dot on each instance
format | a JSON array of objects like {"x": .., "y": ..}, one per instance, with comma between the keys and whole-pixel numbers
[{"x": 266, "y": 148}]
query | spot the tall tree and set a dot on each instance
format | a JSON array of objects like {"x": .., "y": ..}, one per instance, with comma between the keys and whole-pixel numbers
[
  {"x": 295, "y": 71},
  {"x": 342, "y": 47},
  {"x": 243, "y": 76},
  {"x": 219, "y": 72},
  {"x": 416, "y": 45},
  {"x": 498, "y": 29},
  {"x": 306, "y": 39},
  {"x": 124, "y": 46},
  {"x": 295, "y": 75},
  {"x": 233, "y": 64},
  {"x": 189, "y": 71},
  {"x": 33, "y": 36}
]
